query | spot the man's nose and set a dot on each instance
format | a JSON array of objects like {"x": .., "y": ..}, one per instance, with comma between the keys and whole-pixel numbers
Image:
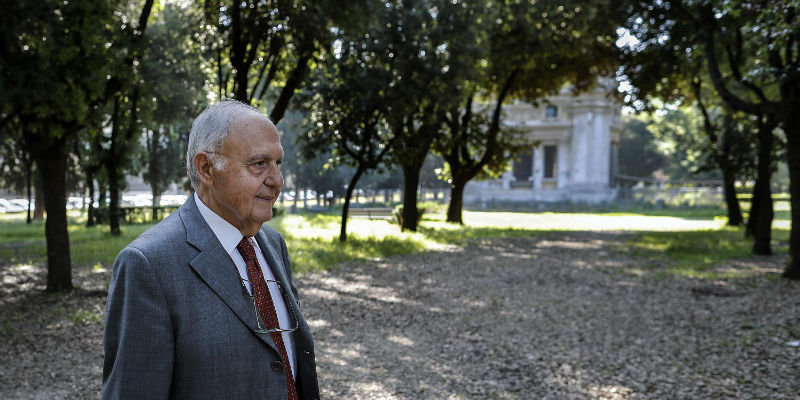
[{"x": 274, "y": 178}]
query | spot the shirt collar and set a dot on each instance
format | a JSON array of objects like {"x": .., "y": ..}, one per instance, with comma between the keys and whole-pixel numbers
[{"x": 226, "y": 233}]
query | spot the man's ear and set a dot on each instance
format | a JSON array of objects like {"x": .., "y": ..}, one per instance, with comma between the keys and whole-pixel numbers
[{"x": 204, "y": 167}]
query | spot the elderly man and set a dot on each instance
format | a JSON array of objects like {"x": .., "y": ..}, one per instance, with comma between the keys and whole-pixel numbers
[{"x": 203, "y": 305}]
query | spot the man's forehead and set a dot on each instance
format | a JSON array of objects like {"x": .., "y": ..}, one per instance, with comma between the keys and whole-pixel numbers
[
  {"x": 247, "y": 125},
  {"x": 274, "y": 152},
  {"x": 250, "y": 117}
]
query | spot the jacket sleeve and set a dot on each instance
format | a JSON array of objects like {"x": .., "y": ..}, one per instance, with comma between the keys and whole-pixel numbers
[{"x": 138, "y": 339}]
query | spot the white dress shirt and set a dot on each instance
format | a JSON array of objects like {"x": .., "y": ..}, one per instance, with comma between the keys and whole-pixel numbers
[{"x": 229, "y": 236}]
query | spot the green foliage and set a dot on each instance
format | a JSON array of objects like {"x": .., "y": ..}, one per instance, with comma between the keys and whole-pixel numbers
[
  {"x": 24, "y": 243},
  {"x": 700, "y": 254},
  {"x": 53, "y": 62},
  {"x": 315, "y": 254},
  {"x": 172, "y": 94},
  {"x": 312, "y": 247},
  {"x": 261, "y": 51},
  {"x": 317, "y": 173},
  {"x": 397, "y": 215},
  {"x": 86, "y": 317},
  {"x": 639, "y": 153}
]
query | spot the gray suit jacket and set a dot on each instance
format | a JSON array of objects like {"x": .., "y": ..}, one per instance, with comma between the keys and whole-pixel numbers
[{"x": 179, "y": 326}]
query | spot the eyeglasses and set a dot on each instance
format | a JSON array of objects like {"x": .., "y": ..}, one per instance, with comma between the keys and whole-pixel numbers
[{"x": 261, "y": 328}]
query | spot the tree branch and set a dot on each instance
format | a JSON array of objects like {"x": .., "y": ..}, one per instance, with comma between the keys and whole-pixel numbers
[{"x": 709, "y": 25}]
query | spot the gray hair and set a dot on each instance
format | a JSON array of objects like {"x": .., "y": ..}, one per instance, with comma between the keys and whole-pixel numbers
[{"x": 209, "y": 131}]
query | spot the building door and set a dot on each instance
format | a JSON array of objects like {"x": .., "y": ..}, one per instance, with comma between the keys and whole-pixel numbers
[
  {"x": 523, "y": 168},
  {"x": 550, "y": 162}
]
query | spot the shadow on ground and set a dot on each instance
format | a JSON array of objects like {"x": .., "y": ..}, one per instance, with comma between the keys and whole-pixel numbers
[
  {"x": 557, "y": 315},
  {"x": 561, "y": 316}
]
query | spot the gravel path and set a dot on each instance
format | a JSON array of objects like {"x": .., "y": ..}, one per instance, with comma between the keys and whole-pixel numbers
[{"x": 558, "y": 316}]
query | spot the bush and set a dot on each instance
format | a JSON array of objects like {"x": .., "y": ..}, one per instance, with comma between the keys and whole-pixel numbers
[{"x": 398, "y": 215}]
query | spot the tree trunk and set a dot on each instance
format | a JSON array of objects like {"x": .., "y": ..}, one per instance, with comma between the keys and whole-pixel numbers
[
  {"x": 763, "y": 221},
  {"x": 90, "y": 214},
  {"x": 156, "y": 203},
  {"x": 410, "y": 184},
  {"x": 764, "y": 214},
  {"x": 346, "y": 206},
  {"x": 112, "y": 170},
  {"x": 102, "y": 195},
  {"x": 114, "y": 197},
  {"x": 734, "y": 211},
  {"x": 28, "y": 186},
  {"x": 454, "y": 208},
  {"x": 238, "y": 50},
  {"x": 791, "y": 125},
  {"x": 52, "y": 166},
  {"x": 39, "y": 207},
  {"x": 750, "y": 227}
]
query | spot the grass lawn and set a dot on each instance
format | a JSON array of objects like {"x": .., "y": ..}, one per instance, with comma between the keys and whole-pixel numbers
[
  {"x": 692, "y": 241},
  {"x": 705, "y": 254}
]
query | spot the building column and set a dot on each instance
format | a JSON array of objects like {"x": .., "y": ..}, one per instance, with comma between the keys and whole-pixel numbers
[
  {"x": 562, "y": 157},
  {"x": 600, "y": 160},
  {"x": 506, "y": 179},
  {"x": 580, "y": 145},
  {"x": 538, "y": 166},
  {"x": 533, "y": 166}
]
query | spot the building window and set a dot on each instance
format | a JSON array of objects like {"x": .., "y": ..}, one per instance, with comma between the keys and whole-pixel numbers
[
  {"x": 551, "y": 112},
  {"x": 523, "y": 166},
  {"x": 550, "y": 161}
]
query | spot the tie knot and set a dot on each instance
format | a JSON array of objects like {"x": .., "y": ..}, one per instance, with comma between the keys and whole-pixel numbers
[{"x": 246, "y": 249}]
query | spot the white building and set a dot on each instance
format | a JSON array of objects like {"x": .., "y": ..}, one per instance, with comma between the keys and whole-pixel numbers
[{"x": 576, "y": 156}]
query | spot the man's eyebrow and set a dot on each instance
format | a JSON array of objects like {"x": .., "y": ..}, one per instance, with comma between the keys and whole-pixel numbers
[{"x": 261, "y": 157}]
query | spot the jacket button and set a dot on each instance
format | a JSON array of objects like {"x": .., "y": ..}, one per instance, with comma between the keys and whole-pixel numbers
[{"x": 276, "y": 365}]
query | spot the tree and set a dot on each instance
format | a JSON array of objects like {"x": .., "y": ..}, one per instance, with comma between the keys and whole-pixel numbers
[
  {"x": 532, "y": 49},
  {"x": 726, "y": 146},
  {"x": 667, "y": 59},
  {"x": 316, "y": 173},
  {"x": 638, "y": 153},
  {"x": 172, "y": 94},
  {"x": 471, "y": 150},
  {"x": 753, "y": 63},
  {"x": 52, "y": 68},
  {"x": 347, "y": 105},
  {"x": 258, "y": 46},
  {"x": 777, "y": 50},
  {"x": 431, "y": 44},
  {"x": 16, "y": 164},
  {"x": 123, "y": 95}
]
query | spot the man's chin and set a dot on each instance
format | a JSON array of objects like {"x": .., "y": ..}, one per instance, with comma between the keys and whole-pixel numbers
[{"x": 265, "y": 214}]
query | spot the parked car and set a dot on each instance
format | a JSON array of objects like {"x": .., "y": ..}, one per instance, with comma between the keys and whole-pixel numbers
[
  {"x": 9, "y": 207},
  {"x": 24, "y": 203}
]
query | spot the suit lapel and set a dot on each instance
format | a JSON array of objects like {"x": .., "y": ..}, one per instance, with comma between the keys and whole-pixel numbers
[{"x": 216, "y": 268}]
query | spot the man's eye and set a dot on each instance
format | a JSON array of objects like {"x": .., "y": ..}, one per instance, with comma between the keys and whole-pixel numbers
[{"x": 279, "y": 162}]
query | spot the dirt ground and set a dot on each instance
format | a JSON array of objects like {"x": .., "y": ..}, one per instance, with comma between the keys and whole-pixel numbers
[{"x": 556, "y": 316}]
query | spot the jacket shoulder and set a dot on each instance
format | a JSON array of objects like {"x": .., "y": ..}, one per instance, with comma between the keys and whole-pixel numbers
[
  {"x": 272, "y": 235},
  {"x": 166, "y": 234}
]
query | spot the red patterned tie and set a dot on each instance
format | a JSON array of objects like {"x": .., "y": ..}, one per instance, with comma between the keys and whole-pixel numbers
[{"x": 266, "y": 308}]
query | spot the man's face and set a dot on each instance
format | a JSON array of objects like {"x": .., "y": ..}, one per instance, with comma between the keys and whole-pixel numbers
[{"x": 246, "y": 188}]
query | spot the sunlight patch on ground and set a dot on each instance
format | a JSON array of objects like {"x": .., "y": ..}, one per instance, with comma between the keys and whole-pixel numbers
[
  {"x": 610, "y": 392},
  {"x": 782, "y": 224},
  {"x": 587, "y": 222},
  {"x": 401, "y": 340}
]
